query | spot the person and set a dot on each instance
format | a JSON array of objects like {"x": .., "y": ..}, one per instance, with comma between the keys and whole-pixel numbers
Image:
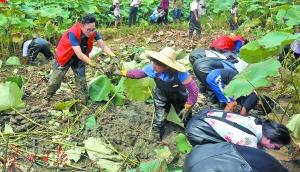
[
  {"x": 134, "y": 6},
  {"x": 157, "y": 15},
  {"x": 233, "y": 20},
  {"x": 164, "y": 4},
  {"x": 293, "y": 49},
  {"x": 174, "y": 86},
  {"x": 227, "y": 157},
  {"x": 177, "y": 10},
  {"x": 205, "y": 60},
  {"x": 228, "y": 43},
  {"x": 194, "y": 21},
  {"x": 72, "y": 51},
  {"x": 217, "y": 79},
  {"x": 215, "y": 126},
  {"x": 31, "y": 48},
  {"x": 117, "y": 12}
]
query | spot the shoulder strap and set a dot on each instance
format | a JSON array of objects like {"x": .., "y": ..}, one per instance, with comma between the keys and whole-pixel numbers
[{"x": 234, "y": 124}]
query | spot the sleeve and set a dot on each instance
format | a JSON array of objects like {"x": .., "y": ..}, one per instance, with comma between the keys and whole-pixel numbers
[
  {"x": 135, "y": 74},
  {"x": 193, "y": 92},
  {"x": 149, "y": 71},
  {"x": 98, "y": 36},
  {"x": 74, "y": 41},
  {"x": 182, "y": 76}
]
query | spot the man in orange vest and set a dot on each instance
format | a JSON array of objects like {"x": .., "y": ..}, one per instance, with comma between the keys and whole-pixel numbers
[
  {"x": 228, "y": 43},
  {"x": 73, "y": 51}
]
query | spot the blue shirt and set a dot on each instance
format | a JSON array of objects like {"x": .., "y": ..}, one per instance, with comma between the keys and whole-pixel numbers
[
  {"x": 164, "y": 76},
  {"x": 74, "y": 41}
]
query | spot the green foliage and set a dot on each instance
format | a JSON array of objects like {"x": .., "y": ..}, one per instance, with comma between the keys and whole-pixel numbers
[
  {"x": 139, "y": 89},
  {"x": 10, "y": 96},
  {"x": 66, "y": 105},
  {"x": 182, "y": 144},
  {"x": 222, "y": 5},
  {"x": 164, "y": 153},
  {"x": 101, "y": 153},
  {"x": 19, "y": 80},
  {"x": 1, "y": 63},
  {"x": 294, "y": 125},
  {"x": 118, "y": 90},
  {"x": 253, "y": 77},
  {"x": 266, "y": 46},
  {"x": 74, "y": 153},
  {"x": 289, "y": 15},
  {"x": 173, "y": 117},
  {"x": 13, "y": 61},
  {"x": 91, "y": 122},
  {"x": 8, "y": 129},
  {"x": 152, "y": 166},
  {"x": 99, "y": 88}
]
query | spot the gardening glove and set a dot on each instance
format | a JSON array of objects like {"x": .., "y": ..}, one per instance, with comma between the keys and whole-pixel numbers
[
  {"x": 185, "y": 111},
  {"x": 91, "y": 63},
  {"x": 120, "y": 72},
  {"x": 230, "y": 106}
]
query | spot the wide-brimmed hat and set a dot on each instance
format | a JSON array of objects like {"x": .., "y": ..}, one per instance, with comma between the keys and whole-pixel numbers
[{"x": 168, "y": 57}]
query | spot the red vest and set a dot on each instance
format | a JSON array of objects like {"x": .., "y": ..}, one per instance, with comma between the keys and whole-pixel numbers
[
  {"x": 64, "y": 50},
  {"x": 224, "y": 43}
]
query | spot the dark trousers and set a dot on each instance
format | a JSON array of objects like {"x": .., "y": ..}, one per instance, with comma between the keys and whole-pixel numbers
[
  {"x": 36, "y": 46},
  {"x": 132, "y": 16},
  {"x": 59, "y": 73},
  {"x": 194, "y": 25},
  {"x": 233, "y": 25},
  {"x": 165, "y": 17}
]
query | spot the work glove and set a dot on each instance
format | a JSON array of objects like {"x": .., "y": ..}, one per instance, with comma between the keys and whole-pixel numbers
[
  {"x": 91, "y": 63},
  {"x": 120, "y": 72},
  {"x": 185, "y": 111},
  {"x": 230, "y": 106}
]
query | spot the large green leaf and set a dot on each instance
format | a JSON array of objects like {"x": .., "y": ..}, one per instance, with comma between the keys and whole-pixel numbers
[
  {"x": 99, "y": 88},
  {"x": 13, "y": 61},
  {"x": 294, "y": 125},
  {"x": 139, "y": 89},
  {"x": 253, "y": 77},
  {"x": 100, "y": 152},
  {"x": 173, "y": 117},
  {"x": 10, "y": 96},
  {"x": 3, "y": 20},
  {"x": 182, "y": 144},
  {"x": 90, "y": 122},
  {"x": 19, "y": 80},
  {"x": 118, "y": 90},
  {"x": 74, "y": 153},
  {"x": 152, "y": 166},
  {"x": 222, "y": 5},
  {"x": 290, "y": 15},
  {"x": 266, "y": 46}
]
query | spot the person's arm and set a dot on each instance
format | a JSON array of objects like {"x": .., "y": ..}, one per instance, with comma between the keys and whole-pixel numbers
[
  {"x": 77, "y": 50},
  {"x": 196, "y": 15},
  {"x": 134, "y": 73},
  {"x": 105, "y": 48},
  {"x": 193, "y": 91}
]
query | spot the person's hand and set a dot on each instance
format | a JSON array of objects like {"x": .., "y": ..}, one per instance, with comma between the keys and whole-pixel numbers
[
  {"x": 185, "y": 111},
  {"x": 230, "y": 106},
  {"x": 120, "y": 72},
  {"x": 91, "y": 63}
]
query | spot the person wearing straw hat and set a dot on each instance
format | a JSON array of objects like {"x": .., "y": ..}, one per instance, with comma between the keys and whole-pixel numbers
[{"x": 174, "y": 86}]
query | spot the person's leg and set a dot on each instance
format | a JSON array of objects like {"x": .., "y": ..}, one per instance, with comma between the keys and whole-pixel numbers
[
  {"x": 214, "y": 82},
  {"x": 179, "y": 14},
  {"x": 198, "y": 29},
  {"x": 130, "y": 16},
  {"x": 79, "y": 72},
  {"x": 135, "y": 11},
  {"x": 165, "y": 17},
  {"x": 191, "y": 25},
  {"x": 160, "y": 113},
  {"x": 47, "y": 52},
  {"x": 56, "y": 78},
  {"x": 33, "y": 51}
]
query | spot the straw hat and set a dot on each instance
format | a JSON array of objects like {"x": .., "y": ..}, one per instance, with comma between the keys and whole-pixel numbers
[{"x": 168, "y": 57}]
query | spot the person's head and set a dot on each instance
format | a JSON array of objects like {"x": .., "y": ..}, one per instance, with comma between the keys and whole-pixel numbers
[
  {"x": 89, "y": 24},
  {"x": 235, "y": 4},
  {"x": 274, "y": 135},
  {"x": 158, "y": 66}
]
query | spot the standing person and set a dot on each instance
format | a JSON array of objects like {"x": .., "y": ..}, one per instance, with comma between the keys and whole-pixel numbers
[
  {"x": 165, "y": 6},
  {"x": 72, "y": 51},
  {"x": 177, "y": 10},
  {"x": 215, "y": 126},
  {"x": 174, "y": 86},
  {"x": 233, "y": 21},
  {"x": 134, "y": 6},
  {"x": 117, "y": 12},
  {"x": 32, "y": 47},
  {"x": 194, "y": 23}
]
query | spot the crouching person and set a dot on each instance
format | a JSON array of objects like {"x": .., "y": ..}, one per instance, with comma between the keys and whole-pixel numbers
[
  {"x": 174, "y": 86},
  {"x": 214, "y": 126},
  {"x": 32, "y": 47},
  {"x": 226, "y": 157}
]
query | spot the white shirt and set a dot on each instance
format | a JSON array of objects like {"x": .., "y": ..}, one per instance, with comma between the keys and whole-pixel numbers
[
  {"x": 117, "y": 8},
  {"x": 194, "y": 6},
  {"x": 25, "y": 48},
  {"x": 135, "y": 3}
]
